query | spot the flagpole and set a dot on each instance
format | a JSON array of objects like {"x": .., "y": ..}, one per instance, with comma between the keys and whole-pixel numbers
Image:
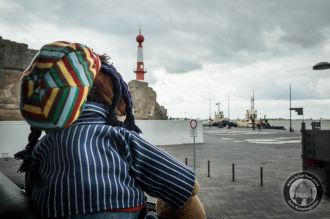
[{"x": 291, "y": 130}]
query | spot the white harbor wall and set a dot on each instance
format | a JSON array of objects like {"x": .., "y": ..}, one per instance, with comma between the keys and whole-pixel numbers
[
  {"x": 14, "y": 134},
  {"x": 169, "y": 132}
]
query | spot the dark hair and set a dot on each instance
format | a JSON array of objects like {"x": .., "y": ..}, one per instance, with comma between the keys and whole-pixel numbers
[
  {"x": 120, "y": 93},
  {"x": 102, "y": 91},
  {"x": 26, "y": 154}
]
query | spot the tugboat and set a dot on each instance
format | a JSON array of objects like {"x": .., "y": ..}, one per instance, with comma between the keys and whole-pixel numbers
[
  {"x": 266, "y": 125},
  {"x": 219, "y": 120},
  {"x": 250, "y": 117},
  {"x": 251, "y": 121}
]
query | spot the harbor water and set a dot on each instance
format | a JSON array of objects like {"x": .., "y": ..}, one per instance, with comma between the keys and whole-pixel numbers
[{"x": 296, "y": 124}]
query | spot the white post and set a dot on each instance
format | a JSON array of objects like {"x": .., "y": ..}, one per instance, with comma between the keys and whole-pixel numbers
[
  {"x": 193, "y": 133},
  {"x": 194, "y": 154}
]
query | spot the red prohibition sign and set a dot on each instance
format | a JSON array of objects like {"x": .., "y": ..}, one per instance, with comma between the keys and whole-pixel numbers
[{"x": 193, "y": 123}]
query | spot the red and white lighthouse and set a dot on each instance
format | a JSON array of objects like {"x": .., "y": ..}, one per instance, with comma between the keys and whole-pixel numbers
[{"x": 139, "y": 64}]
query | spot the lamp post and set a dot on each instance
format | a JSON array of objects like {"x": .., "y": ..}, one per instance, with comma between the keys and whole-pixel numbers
[
  {"x": 321, "y": 66},
  {"x": 291, "y": 130}
]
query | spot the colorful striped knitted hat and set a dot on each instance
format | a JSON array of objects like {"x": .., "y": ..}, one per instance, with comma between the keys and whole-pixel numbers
[{"x": 55, "y": 86}]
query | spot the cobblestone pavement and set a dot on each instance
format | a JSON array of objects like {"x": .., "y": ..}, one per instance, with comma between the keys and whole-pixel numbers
[{"x": 277, "y": 151}]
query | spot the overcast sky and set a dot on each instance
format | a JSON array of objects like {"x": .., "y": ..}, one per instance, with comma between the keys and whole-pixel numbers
[{"x": 197, "y": 52}]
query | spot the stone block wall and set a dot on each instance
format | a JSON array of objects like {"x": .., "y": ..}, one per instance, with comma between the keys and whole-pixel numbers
[{"x": 14, "y": 59}]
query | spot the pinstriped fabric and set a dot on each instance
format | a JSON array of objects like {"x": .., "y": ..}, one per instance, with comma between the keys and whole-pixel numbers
[
  {"x": 55, "y": 86},
  {"x": 82, "y": 171}
]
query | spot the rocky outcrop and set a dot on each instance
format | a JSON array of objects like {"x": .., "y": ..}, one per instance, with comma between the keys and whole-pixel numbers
[
  {"x": 14, "y": 58},
  {"x": 14, "y": 55},
  {"x": 145, "y": 104}
]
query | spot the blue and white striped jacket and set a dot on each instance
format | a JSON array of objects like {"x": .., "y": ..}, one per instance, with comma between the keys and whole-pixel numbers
[{"x": 81, "y": 170}]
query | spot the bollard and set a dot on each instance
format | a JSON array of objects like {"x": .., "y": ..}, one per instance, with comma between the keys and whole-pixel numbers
[
  {"x": 261, "y": 176},
  {"x": 186, "y": 161},
  {"x": 208, "y": 168},
  {"x": 233, "y": 172}
]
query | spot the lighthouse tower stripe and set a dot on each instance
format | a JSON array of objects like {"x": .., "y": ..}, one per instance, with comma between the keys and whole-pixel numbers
[{"x": 140, "y": 54}]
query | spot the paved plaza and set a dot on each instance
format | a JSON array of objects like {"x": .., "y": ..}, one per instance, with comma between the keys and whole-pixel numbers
[{"x": 277, "y": 151}]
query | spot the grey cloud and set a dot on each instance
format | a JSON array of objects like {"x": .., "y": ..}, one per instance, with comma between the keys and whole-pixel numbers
[
  {"x": 183, "y": 35},
  {"x": 215, "y": 31}
]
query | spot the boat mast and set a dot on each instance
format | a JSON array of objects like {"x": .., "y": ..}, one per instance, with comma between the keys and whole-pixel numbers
[
  {"x": 218, "y": 105},
  {"x": 210, "y": 108},
  {"x": 252, "y": 111},
  {"x": 252, "y": 103},
  {"x": 228, "y": 109}
]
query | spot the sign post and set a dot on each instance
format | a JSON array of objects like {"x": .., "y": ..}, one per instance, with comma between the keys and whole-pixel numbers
[{"x": 193, "y": 134}]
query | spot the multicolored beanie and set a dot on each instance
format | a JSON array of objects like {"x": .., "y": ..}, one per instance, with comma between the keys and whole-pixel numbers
[{"x": 55, "y": 86}]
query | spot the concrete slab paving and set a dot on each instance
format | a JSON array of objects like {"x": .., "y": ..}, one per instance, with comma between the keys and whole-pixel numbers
[{"x": 277, "y": 151}]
